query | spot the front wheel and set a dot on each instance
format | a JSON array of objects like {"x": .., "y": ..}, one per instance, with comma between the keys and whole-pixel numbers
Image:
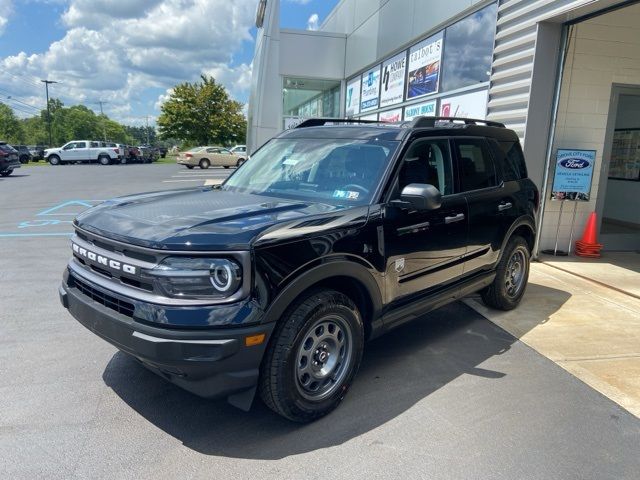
[
  {"x": 240, "y": 162},
  {"x": 54, "y": 160},
  {"x": 512, "y": 275},
  {"x": 313, "y": 357}
]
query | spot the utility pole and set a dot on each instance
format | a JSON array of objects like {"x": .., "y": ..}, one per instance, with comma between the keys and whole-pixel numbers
[
  {"x": 147, "y": 117},
  {"x": 46, "y": 85},
  {"x": 104, "y": 131}
]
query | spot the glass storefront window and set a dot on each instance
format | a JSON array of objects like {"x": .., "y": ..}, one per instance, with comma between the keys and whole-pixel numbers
[
  {"x": 304, "y": 97},
  {"x": 468, "y": 49}
]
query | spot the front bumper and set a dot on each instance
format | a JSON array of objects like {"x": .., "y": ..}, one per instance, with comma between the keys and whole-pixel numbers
[{"x": 211, "y": 363}]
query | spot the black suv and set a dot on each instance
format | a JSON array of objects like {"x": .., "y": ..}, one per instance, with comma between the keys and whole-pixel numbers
[
  {"x": 331, "y": 235},
  {"x": 9, "y": 159},
  {"x": 23, "y": 153}
]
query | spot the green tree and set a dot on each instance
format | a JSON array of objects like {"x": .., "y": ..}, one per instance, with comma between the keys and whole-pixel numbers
[
  {"x": 10, "y": 127},
  {"x": 202, "y": 113}
]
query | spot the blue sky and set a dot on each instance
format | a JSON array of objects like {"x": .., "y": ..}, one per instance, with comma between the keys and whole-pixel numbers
[{"x": 128, "y": 53}]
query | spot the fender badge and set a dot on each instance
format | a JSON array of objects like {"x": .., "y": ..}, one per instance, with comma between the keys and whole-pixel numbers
[{"x": 399, "y": 264}]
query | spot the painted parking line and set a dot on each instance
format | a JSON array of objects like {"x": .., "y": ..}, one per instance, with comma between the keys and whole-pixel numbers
[
  {"x": 55, "y": 216},
  {"x": 213, "y": 181},
  {"x": 53, "y": 234}
]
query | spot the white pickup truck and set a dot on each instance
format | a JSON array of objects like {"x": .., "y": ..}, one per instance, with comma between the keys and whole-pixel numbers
[{"x": 82, "y": 151}]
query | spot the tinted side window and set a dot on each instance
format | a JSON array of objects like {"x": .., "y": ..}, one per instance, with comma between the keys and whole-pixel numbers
[
  {"x": 81, "y": 145},
  {"x": 428, "y": 161},
  {"x": 514, "y": 168},
  {"x": 475, "y": 164},
  {"x": 95, "y": 145}
]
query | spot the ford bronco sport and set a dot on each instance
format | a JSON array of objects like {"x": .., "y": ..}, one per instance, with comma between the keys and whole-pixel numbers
[{"x": 329, "y": 236}]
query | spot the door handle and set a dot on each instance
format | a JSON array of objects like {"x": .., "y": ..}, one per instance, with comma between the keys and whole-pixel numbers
[
  {"x": 456, "y": 218},
  {"x": 504, "y": 206}
]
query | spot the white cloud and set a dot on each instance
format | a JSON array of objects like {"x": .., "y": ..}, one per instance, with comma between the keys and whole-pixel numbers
[
  {"x": 115, "y": 49},
  {"x": 312, "y": 23},
  {"x": 6, "y": 9}
]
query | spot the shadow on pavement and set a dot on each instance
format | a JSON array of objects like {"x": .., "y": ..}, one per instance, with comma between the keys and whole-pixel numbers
[{"x": 398, "y": 370}]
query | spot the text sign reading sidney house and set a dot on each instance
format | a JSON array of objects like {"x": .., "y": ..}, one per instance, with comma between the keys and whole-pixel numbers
[{"x": 574, "y": 171}]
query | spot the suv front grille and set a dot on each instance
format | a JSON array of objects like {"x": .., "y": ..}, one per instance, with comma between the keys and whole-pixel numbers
[{"x": 109, "y": 301}]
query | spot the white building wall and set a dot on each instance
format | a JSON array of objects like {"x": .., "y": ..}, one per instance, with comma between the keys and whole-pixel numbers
[{"x": 604, "y": 51}]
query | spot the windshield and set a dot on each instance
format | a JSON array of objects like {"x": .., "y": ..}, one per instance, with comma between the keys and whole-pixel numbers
[{"x": 334, "y": 170}]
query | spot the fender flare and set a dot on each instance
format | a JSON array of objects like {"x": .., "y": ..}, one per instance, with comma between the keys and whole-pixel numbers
[
  {"x": 324, "y": 271},
  {"x": 525, "y": 220}
]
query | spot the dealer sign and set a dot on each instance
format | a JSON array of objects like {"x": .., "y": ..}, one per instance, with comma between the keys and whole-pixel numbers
[{"x": 574, "y": 172}]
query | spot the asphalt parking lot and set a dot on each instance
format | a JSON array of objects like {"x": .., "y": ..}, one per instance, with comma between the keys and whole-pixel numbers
[{"x": 448, "y": 396}]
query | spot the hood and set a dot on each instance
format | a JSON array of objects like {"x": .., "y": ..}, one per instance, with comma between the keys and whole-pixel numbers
[{"x": 212, "y": 219}]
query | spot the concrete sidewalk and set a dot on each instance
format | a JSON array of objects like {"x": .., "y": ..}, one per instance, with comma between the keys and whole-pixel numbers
[{"x": 587, "y": 328}]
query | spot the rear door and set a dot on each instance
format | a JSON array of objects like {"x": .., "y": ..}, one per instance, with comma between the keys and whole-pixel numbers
[
  {"x": 491, "y": 205},
  {"x": 424, "y": 249}
]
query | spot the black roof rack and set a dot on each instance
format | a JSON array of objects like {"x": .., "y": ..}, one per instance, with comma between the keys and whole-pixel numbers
[
  {"x": 432, "y": 121},
  {"x": 318, "y": 122}
]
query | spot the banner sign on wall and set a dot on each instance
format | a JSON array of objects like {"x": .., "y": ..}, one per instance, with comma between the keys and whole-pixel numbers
[
  {"x": 371, "y": 116},
  {"x": 424, "y": 67},
  {"x": 469, "y": 105},
  {"x": 393, "y": 73},
  {"x": 352, "y": 106},
  {"x": 427, "y": 109},
  {"x": 391, "y": 115},
  {"x": 370, "y": 89},
  {"x": 574, "y": 172}
]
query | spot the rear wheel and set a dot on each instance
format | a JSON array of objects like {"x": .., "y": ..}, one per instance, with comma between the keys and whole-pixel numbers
[
  {"x": 6, "y": 173},
  {"x": 313, "y": 357},
  {"x": 104, "y": 160},
  {"x": 512, "y": 275},
  {"x": 54, "y": 160},
  {"x": 24, "y": 159},
  {"x": 190, "y": 167},
  {"x": 204, "y": 164}
]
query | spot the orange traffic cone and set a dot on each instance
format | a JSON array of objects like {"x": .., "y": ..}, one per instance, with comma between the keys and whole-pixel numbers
[{"x": 588, "y": 245}]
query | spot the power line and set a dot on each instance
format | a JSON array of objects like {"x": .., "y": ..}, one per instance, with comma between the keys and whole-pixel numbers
[
  {"x": 22, "y": 104},
  {"x": 13, "y": 107},
  {"x": 18, "y": 99},
  {"x": 21, "y": 78}
]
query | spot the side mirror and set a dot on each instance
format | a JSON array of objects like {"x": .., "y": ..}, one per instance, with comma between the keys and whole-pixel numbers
[{"x": 419, "y": 196}]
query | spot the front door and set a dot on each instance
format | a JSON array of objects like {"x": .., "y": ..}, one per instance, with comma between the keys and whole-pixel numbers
[{"x": 424, "y": 249}]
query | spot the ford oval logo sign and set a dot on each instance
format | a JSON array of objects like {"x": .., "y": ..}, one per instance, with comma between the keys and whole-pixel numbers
[{"x": 574, "y": 163}]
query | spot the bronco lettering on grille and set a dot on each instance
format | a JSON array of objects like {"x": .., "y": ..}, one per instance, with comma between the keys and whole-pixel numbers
[{"x": 102, "y": 260}]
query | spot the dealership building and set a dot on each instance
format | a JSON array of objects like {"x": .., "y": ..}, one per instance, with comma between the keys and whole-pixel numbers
[{"x": 564, "y": 74}]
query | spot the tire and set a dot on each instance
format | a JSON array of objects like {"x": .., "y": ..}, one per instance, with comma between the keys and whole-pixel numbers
[
  {"x": 226, "y": 166},
  {"x": 54, "y": 160},
  {"x": 6, "y": 173},
  {"x": 104, "y": 160},
  {"x": 240, "y": 162},
  {"x": 190, "y": 167},
  {"x": 512, "y": 275},
  {"x": 24, "y": 159},
  {"x": 323, "y": 327},
  {"x": 204, "y": 163}
]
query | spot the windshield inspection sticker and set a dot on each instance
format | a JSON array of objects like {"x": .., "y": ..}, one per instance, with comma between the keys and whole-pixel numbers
[{"x": 346, "y": 194}]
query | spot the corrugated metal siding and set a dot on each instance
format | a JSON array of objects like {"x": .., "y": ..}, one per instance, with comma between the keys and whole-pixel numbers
[{"x": 512, "y": 67}]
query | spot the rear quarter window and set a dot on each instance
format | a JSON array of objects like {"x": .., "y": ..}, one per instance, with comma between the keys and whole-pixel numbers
[{"x": 510, "y": 156}]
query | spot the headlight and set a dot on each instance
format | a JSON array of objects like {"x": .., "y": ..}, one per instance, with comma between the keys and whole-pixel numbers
[{"x": 187, "y": 277}]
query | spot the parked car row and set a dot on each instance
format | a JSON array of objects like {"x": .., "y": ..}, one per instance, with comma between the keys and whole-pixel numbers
[
  {"x": 205, "y": 157},
  {"x": 105, "y": 153}
]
